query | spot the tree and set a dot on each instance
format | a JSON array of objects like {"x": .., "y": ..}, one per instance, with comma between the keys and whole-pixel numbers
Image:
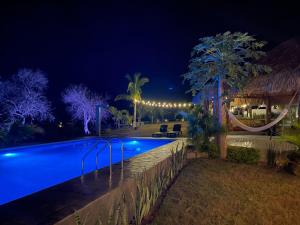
[
  {"x": 116, "y": 116},
  {"x": 151, "y": 111},
  {"x": 134, "y": 91},
  {"x": 23, "y": 98},
  {"x": 224, "y": 62},
  {"x": 81, "y": 104},
  {"x": 119, "y": 116}
]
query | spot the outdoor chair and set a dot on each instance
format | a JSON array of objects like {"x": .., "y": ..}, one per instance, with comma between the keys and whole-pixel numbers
[
  {"x": 176, "y": 131},
  {"x": 162, "y": 131}
]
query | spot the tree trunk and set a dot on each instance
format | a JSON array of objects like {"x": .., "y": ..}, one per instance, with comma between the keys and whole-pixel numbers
[
  {"x": 206, "y": 106},
  {"x": 221, "y": 137},
  {"x": 134, "y": 115},
  {"x": 86, "y": 124},
  {"x": 23, "y": 120}
]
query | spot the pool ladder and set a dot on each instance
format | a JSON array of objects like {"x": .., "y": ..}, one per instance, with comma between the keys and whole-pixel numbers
[{"x": 108, "y": 143}]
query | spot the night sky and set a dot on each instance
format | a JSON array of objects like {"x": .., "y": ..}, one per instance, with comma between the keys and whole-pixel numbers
[{"x": 98, "y": 43}]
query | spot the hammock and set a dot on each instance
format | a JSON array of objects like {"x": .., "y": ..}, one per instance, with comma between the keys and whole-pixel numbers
[{"x": 265, "y": 127}]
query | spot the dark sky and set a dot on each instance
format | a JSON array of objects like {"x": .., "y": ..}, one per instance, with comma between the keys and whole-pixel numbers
[{"x": 98, "y": 43}]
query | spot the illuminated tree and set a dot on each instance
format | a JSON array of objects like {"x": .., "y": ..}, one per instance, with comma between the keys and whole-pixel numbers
[
  {"x": 224, "y": 62},
  {"x": 23, "y": 98},
  {"x": 134, "y": 91},
  {"x": 81, "y": 104}
]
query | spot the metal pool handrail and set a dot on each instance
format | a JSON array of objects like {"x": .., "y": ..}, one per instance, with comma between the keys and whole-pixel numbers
[
  {"x": 91, "y": 150},
  {"x": 122, "y": 148}
]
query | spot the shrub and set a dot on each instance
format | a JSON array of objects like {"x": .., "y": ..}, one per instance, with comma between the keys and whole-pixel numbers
[
  {"x": 19, "y": 133},
  {"x": 243, "y": 155},
  {"x": 212, "y": 150},
  {"x": 276, "y": 158},
  {"x": 293, "y": 165}
]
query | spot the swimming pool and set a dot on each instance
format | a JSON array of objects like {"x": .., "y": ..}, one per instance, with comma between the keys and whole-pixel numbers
[{"x": 26, "y": 170}]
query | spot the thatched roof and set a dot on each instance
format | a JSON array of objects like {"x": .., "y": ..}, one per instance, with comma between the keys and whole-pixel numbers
[{"x": 284, "y": 79}]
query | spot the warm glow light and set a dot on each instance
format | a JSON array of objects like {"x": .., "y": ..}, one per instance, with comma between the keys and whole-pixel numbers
[{"x": 164, "y": 104}]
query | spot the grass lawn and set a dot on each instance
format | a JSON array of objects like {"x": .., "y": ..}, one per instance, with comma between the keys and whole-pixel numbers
[{"x": 217, "y": 192}]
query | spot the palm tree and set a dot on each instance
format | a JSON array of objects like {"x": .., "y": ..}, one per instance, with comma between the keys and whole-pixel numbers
[{"x": 134, "y": 91}]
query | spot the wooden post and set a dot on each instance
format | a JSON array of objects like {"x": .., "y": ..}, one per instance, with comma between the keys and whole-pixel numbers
[{"x": 268, "y": 110}]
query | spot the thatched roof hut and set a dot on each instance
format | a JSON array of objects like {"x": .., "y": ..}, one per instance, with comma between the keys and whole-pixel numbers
[
  {"x": 277, "y": 87},
  {"x": 284, "y": 79}
]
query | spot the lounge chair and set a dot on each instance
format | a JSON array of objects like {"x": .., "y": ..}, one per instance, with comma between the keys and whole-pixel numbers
[
  {"x": 176, "y": 131},
  {"x": 162, "y": 131}
]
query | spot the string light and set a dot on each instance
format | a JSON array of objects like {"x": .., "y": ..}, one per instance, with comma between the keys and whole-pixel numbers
[{"x": 160, "y": 104}]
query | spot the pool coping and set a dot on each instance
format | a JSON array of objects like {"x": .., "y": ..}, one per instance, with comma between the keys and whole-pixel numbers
[{"x": 55, "y": 203}]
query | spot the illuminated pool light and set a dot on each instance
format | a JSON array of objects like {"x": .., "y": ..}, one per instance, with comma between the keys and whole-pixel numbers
[
  {"x": 9, "y": 154},
  {"x": 133, "y": 142},
  {"x": 138, "y": 149}
]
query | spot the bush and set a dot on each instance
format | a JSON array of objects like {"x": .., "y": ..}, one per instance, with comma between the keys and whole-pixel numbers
[
  {"x": 19, "y": 133},
  {"x": 293, "y": 165},
  {"x": 213, "y": 150},
  {"x": 277, "y": 159},
  {"x": 243, "y": 155}
]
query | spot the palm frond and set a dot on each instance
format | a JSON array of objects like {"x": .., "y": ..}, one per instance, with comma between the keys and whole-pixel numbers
[
  {"x": 128, "y": 77},
  {"x": 123, "y": 97},
  {"x": 143, "y": 81}
]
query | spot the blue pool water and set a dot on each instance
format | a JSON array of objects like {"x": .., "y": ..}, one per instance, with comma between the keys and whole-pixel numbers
[{"x": 26, "y": 170}]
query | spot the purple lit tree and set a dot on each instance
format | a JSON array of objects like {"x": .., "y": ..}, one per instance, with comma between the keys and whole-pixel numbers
[
  {"x": 81, "y": 104},
  {"x": 23, "y": 98}
]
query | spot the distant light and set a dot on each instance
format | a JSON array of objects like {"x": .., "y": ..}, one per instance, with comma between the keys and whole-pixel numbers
[
  {"x": 9, "y": 154},
  {"x": 60, "y": 125}
]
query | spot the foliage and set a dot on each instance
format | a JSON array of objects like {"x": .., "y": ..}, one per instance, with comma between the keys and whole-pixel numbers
[
  {"x": 293, "y": 165},
  {"x": 81, "y": 104},
  {"x": 78, "y": 219},
  {"x": 149, "y": 188},
  {"x": 148, "y": 191},
  {"x": 212, "y": 149},
  {"x": 116, "y": 116},
  {"x": 120, "y": 117},
  {"x": 231, "y": 57},
  {"x": 134, "y": 88},
  {"x": 201, "y": 124},
  {"x": 243, "y": 155},
  {"x": 292, "y": 135},
  {"x": 19, "y": 133},
  {"x": 23, "y": 99},
  {"x": 134, "y": 91}
]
